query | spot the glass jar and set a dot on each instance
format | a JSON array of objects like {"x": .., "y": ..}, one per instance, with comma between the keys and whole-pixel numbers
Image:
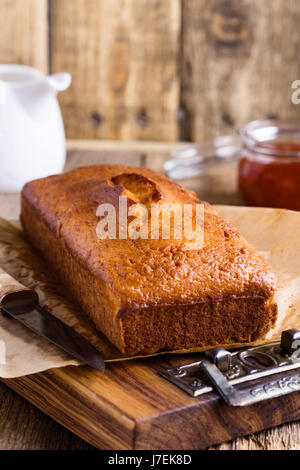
[
  {"x": 269, "y": 167},
  {"x": 211, "y": 169}
]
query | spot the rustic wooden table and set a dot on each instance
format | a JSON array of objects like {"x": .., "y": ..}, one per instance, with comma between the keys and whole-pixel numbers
[{"x": 23, "y": 426}]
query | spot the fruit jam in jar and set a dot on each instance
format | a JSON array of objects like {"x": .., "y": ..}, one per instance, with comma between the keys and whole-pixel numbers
[{"x": 269, "y": 169}]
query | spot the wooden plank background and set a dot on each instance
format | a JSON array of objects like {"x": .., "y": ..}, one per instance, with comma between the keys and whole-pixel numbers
[
  {"x": 160, "y": 69},
  {"x": 24, "y": 33},
  {"x": 238, "y": 63},
  {"x": 123, "y": 56}
]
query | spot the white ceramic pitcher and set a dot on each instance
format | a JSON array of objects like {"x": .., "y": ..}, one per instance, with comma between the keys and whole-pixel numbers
[{"x": 32, "y": 136}]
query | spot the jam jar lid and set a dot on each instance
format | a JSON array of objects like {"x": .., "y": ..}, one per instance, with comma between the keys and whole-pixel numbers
[{"x": 192, "y": 160}]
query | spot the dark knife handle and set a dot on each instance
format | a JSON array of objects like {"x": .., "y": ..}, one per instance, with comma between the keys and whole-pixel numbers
[{"x": 8, "y": 284}]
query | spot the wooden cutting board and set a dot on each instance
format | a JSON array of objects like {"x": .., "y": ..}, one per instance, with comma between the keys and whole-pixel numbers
[{"x": 131, "y": 407}]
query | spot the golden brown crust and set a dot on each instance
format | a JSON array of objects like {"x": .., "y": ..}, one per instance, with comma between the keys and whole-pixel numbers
[{"x": 136, "y": 290}]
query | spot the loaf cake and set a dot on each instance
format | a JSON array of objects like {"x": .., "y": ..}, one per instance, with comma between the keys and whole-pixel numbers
[{"x": 148, "y": 295}]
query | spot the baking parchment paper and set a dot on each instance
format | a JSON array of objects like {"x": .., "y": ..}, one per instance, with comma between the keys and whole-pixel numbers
[{"x": 275, "y": 233}]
